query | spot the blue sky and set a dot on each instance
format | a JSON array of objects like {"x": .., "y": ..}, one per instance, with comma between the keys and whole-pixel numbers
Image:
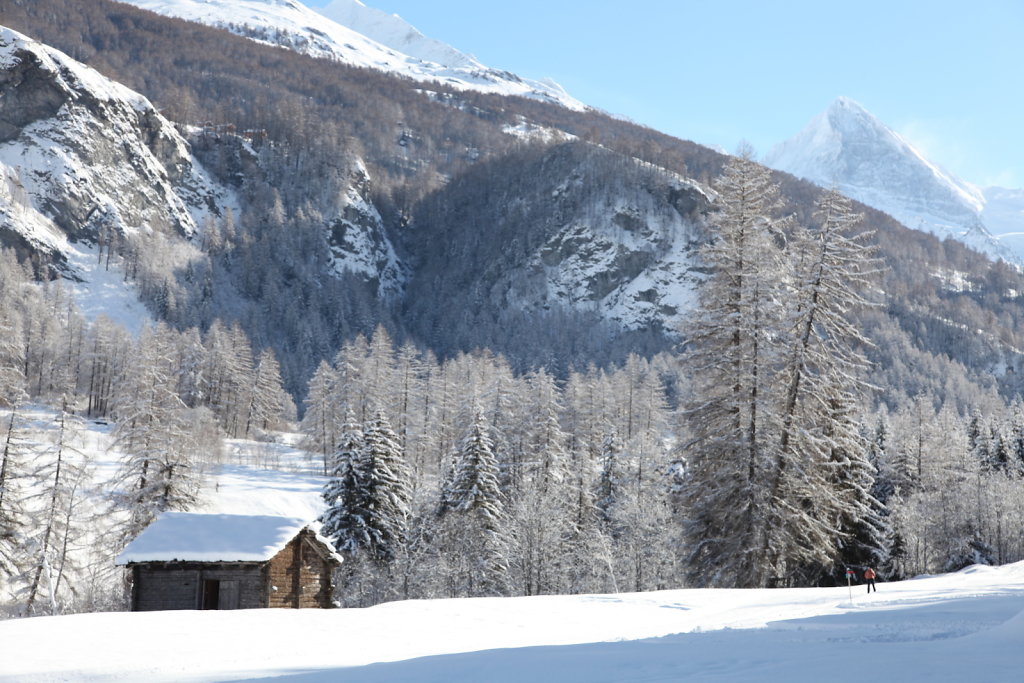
[{"x": 949, "y": 76}]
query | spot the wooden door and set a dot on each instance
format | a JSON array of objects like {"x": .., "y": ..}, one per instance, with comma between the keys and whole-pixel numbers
[
  {"x": 211, "y": 594},
  {"x": 228, "y": 598}
]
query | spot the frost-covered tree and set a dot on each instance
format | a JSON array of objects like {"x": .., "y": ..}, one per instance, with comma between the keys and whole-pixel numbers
[
  {"x": 821, "y": 475},
  {"x": 60, "y": 518},
  {"x": 474, "y": 510},
  {"x": 12, "y": 361},
  {"x": 319, "y": 423},
  {"x": 159, "y": 436},
  {"x": 542, "y": 503},
  {"x": 346, "y": 518},
  {"x": 734, "y": 342},
  {"x": 387, "y": 488},
  {"x": 15, "y": 452},
  {"x": 269, "y": 404},
  {"x": 610, "y": 481}
]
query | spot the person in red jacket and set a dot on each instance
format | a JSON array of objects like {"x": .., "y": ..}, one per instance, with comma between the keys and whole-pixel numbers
[{"x": 869, "y": 578}]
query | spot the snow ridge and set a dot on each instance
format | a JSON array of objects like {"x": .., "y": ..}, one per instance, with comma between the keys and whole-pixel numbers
[{"x": 350, "y": 32}]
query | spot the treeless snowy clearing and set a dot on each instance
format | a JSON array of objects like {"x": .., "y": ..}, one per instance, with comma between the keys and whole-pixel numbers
[{"x": 963, "y": 626}]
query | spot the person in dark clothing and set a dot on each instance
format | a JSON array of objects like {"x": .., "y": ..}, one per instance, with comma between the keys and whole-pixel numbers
[{"x": 869, "y": 579}]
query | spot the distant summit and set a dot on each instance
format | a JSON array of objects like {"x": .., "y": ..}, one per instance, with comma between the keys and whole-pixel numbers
[
  {"x": 848, "y": 147},
  {"x": 350, "y": 32}
]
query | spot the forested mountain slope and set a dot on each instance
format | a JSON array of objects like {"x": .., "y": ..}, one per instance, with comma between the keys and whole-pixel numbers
[{"x": 461, "y": 219}]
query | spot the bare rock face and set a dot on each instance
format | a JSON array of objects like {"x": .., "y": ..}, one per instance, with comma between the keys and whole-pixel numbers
[
  {"x": 91, "y": 156},
  {"x": 579, "y": 229},
  {"x": 27, "y": 95}
]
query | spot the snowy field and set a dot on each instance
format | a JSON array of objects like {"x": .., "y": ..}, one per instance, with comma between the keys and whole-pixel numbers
[{"x": 967, "y": 626}]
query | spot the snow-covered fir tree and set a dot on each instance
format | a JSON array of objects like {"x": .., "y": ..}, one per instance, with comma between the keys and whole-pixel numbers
[
  {"x": 388, "y": 490},
  {"x": 473, "y": 508},
  {"x": 347, "y": 514}
]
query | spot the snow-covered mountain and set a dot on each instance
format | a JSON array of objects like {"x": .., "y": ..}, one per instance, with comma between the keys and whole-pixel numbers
[
  {"x": 578, "y": 231},
  {"x": 351, "y": 32},
  {"x": 85, "y": 162},
  {"x": 850, "y": 148}
]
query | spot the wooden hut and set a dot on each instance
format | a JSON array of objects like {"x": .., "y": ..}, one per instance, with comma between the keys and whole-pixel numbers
[{"x": 203, "y": 561}]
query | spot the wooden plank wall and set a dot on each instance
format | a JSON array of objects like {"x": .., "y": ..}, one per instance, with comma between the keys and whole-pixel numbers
[{"x": 174, "y": 586}]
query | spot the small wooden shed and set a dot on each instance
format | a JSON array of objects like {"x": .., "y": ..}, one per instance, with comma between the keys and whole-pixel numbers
[{"x": 189, "y": 560}]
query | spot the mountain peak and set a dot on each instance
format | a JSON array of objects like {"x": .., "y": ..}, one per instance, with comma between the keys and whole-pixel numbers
[
  {"x": 845, "y": 104},
  {"x": 850, "y": 148}
]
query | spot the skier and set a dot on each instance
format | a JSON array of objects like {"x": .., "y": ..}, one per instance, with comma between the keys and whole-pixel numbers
[{"x": 869, "y": 578}]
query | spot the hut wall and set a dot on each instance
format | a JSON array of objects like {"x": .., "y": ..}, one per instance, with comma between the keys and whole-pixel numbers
[
  {"x": 299, "y": 576},
  {"x": 173, "y": 586}
]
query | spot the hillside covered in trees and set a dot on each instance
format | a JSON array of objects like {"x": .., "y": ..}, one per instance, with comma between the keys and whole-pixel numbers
[{"x": 505, "y": 397}]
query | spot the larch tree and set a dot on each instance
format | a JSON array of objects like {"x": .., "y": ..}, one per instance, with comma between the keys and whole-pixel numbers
[
  {"x": 319, "y": 423},
  {"x": 59, "y": 517},
  {"x": 820, "y": 480},
  {"x": 15, "y": 451},
  {"x": 733, "y": 346},
  {"x": 269, "y": 404},
  {"x": 163, "y": 463},
  {"x": 542, "y": 497}
]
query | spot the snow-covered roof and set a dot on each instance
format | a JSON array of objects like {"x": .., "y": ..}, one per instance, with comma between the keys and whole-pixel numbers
[{"x": 197, "y": 537}]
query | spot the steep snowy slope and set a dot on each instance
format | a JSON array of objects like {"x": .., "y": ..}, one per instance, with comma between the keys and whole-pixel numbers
[
  {"x": 579, "y": 230},
  {"x": 867, "y": 160},
  {"x": 1003, "y": 215},
  {"x": 352, "y": 33},
  {"x": 85, "y": 161},
  {"x": 84, "y": 151}
]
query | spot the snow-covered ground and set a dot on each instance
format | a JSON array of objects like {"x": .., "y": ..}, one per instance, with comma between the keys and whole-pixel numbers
[{"x": 967, "y": 626}]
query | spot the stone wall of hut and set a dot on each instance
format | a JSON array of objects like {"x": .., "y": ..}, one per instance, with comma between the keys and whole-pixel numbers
[{"x": 299, "y": 575}]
